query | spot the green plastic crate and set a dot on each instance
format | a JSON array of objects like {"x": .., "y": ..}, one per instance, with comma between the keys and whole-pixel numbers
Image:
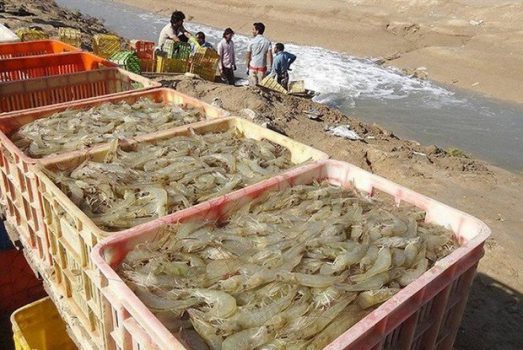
[
  {"x": 177, "y": 50},
  {"x": 127, "y": 60}
]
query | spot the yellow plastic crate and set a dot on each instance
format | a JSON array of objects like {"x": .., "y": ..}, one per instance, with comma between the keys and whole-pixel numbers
[
  {"x": 205, "y": 63},
  {"x": 171, "y": 65},
  {"x": 27, "y": 34},
  {"x": 70, "y": 36},
  {"x": 39, "y": 326},
  {"x": 106, "y": 45}
]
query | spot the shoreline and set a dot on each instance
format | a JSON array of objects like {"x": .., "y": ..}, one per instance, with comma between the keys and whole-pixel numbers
[{"x": 453, "y": 53}]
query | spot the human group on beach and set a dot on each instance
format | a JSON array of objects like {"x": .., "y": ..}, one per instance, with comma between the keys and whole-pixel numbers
[{"x": 262, "y": 57}]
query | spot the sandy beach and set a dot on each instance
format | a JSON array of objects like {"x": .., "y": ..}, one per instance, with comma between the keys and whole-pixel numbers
[
  {"x": 472, "y": 45},
  {"x": 437, "y": 35}
]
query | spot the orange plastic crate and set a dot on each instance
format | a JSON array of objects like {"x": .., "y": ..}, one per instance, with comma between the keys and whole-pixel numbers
[
  {"x": 34, "y": 48},
  {"x": 424, "y": 315},
  {"x": 57, "y": 64},
  {"x": 38, "y": 92},
  {"x": 18, "y": 185},
  {"x": 144, "y": 49}
]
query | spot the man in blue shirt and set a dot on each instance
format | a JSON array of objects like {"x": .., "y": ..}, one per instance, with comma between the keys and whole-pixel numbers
[
  {"x": 281, "y": 64},
  {"x": 200, "y": 43}
]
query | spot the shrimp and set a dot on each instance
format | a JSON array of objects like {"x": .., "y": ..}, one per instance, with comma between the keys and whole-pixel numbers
[
  {"x": 343, "y": 322},
  {"x": 383, "y": 263},
  {"x": 372, "y": 297},
  {"x": 249, "y": 317},
  {"x": 247, "y": 339},
  {"x": 410, "y": 275},
  {"x": 308, "y": 326},
  {"x": 223, "y": 304},
  {"x": 205, "y": 329}
]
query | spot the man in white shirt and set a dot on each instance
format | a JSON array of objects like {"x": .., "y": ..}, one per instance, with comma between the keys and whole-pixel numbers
[
  {"x": 227, "y": 63},
  {"x": 174, "y": 30},
  {"x": 259, "y": 55}
]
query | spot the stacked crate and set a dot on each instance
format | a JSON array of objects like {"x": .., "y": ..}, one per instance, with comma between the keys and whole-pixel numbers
[
  {"x": 37, "y": 77},
  {"x": 145, "y": 52},
  {"x": 128, "y": 60},
  {"x": 176, "y": 59}
]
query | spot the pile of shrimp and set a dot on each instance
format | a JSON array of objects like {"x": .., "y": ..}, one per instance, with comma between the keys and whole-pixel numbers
[
  {"x": 74, "y": 130},
  {"x": 152, "y": 179},
  {"x": 291, "y": 270}
]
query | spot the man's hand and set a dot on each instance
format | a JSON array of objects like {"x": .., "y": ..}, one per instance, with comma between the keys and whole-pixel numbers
[{"x": 234, "y": 67}]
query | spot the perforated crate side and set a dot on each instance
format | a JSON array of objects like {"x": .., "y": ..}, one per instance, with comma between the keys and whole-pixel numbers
[
  {"x": 70, "y": 36},
  {"x": 106, "y": 45}
]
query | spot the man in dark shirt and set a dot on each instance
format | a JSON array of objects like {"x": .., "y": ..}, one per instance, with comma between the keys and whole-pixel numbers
[{"x": 281, "y": 64}]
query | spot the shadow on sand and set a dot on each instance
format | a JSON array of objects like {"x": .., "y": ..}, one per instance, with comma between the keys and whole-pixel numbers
[{"x": 493, "y": 317}]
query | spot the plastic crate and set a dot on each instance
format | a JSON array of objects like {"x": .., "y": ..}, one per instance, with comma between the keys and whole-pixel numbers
[
  {"x": 148, "y": 66},
  {"x": 39, "y": 92},
  {"x": 72, "y": 234},
  {"x": 127, "y": 60},
  {"x": 84, "y": 338},
  {"x": 106, "y": 45},
  {"x": 424, "y": 315},
  {"x": 143, "y": 49},
  {"x": 178, "y": 50},
  {"x": 18, "y": 283},
  {"x": 18, "y": 186},
  {"x": 171, "y": 65},
  {"x": 39, "y": 326},
  {"x": 28, "y": 34},
  {"x": 205, "y": 63},
  {"x": 70, "y": 36},
  {"x": 34, "y": 48},
  {"x": 272, "y": 84},
  {"x": 43, "y": 66}
]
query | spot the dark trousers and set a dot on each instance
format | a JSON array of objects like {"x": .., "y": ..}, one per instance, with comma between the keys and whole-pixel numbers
[
  {"x": 228, "y": 75},
  {"x": 283, "y": 80}
]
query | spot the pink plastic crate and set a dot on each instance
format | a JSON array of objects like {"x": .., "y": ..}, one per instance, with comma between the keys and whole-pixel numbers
[{"x": 424, "y": 315}]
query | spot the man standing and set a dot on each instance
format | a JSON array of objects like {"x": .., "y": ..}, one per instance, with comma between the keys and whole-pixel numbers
[
  {"x": 281, "y": 65},
  {"x": 259, "y": 54},
  {"x": 227, "y": 57},
  {"x": 174, "y": 30}
]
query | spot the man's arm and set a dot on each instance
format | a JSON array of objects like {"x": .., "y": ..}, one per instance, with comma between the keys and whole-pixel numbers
[
  {"x": 163, "y": 37},
  {"x": 220, "y": 53},
  {"x": 269, "y": 56},
  {"x": 292, "y": 58},
  {"x": 248, "y": 59}
]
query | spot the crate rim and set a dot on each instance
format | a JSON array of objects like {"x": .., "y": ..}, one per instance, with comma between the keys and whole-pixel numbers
[
  {"x": 133, "y": 76},
  {"x": 71, "y": 48},
  {"x": 157, "y": 330},
  {"x": 106, "y": 62}
]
